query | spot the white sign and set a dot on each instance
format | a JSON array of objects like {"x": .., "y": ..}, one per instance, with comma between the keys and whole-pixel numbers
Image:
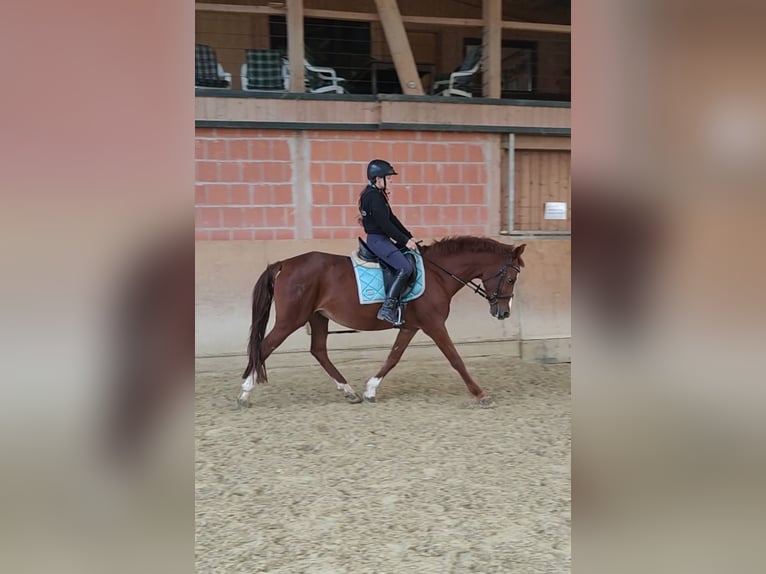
[{"x": 555, "y": 210}]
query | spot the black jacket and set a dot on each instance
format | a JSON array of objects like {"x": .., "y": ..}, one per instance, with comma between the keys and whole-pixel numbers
[{"x": 377, "y": 216}]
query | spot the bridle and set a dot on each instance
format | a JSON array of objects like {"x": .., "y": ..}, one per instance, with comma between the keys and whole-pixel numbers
[{"x": 478, "y": 288}]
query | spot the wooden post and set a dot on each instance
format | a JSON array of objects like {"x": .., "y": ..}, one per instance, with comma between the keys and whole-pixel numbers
[
  {"x": 491, "y": 48},
  {"x": 295, "y": 52},
  {"x": 399, "y": 46}
]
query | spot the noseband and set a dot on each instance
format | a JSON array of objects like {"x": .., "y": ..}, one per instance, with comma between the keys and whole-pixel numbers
[{"x": 495, "y": 297}]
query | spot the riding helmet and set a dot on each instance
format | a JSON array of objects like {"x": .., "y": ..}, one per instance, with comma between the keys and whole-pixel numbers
[{"x": 379, "y": 168}]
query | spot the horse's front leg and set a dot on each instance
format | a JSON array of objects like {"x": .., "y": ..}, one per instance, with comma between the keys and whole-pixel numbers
[
  {"x": 402, "y": 340},
  {"x": 439, "y": 334}
]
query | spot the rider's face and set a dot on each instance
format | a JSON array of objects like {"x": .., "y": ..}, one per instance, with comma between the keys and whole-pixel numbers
[{"x": 380, "y": 182}]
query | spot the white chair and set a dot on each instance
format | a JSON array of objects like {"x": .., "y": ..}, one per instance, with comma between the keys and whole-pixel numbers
[{"x": 459, "y": 81}]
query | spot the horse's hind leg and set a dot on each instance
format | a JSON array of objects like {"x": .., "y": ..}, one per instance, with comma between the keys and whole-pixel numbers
[
  {"x": 277, "y": 336},
  {"x": 402, "y": 340},
  {"x": 319, "y": 325}
]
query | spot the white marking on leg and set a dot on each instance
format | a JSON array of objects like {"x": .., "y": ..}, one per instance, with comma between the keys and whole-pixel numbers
[
  {"x": 247, "y": 386},
  {"x": 371, "y": 387},
  {"x": 346, "y": 389}
]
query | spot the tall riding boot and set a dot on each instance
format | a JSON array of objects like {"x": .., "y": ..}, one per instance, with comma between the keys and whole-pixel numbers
[{"x": 390, "y": 311}]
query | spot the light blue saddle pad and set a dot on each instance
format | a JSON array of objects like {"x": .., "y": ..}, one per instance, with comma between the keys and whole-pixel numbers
[{"x": 369, "y": 280}]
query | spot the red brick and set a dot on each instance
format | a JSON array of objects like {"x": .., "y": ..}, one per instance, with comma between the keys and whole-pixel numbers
[
  {"x": 476, "y": 194},
  {"x": 451, "y": 214},
  {"x": 321, "y": 194},
  {"x": 430, "y": 215},
  {"x": 411, "y": 215},
  {"x": 439, "y": 195},
  {"x": 261, "y": 194},
  {"x": 207, "y": 217},
  {"x": 344, "y": 233},
  {"x": 252, "y": 171},
  {"x": 451, "y": 173},
  {"x": 242, "y": 234},
  {"x": 317, "y": 216},
  {"x": 317, "y": 171},
  {"x": 239, "y": 194},
  {"x": 280, "y": 150},
  {"x": 201, "y": 235},
  {"x": 207, "y": 171},
  {"x": 470, "y": 215},
  {"x": 400, "y": 153},
  {"x": 341, "y": 195},
  {"x": 419, "y": 152},
  {"x": 339, "y": 151},
  {"x": 274, "y": 172},
  {"x": 380, "y": 150},
  {"x": 320, "y": 151},
  {"x": 413, "y": 174},
  {"x": 333, "y": 173},
  {"x": 219, "y": 235},
  {"x": 232, "y": 217},
  {"x": 456, "y": 152},
  {"x": 474, "y": 153},
  {"x": 284, "y": 234},
  {"x": 360, "y": 151},
  {"x": 217, "y": 193},
  {"x": 263, "y": 233},
  {"x": 283, "y": 194},
  {"x": 322, "y": 233},
  {"x": 420, "y": 194},
  {"x": 238, "y": 149},
  {"x": 254, "y": 216},
  {"x": 334, "y": 215},
  {"x": 199, "y": 149},
  {"x": 438, "y": 153},
  {"x": 457, "y": 195},
  {"x": 260, "y": 149},
  {"x": 230, "y": 171},
  {"x": 400, "y": 195},
  {"x": 276, "y": 217},
  {"x": 216, "y": 149},
  {"x": 431, "y": 174},
  {"x": 200, "y": 194},
  {"x": 356, "y": 173}
]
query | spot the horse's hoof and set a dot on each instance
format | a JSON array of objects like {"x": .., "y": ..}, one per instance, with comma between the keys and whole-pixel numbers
[
  {"x": 486, "y": 402},
  {"x": 353, "y": 399},
  {"x": 243, "y": 402},
  {"x": 368, "y": 399}
]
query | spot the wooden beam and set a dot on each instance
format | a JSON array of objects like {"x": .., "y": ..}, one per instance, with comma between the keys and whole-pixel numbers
[
  {"x": 369, "y": 17},
  {"x": 491, "y": 48},
  {"x": 295, "y": 50},
  {"x": 399, "y": 46}
]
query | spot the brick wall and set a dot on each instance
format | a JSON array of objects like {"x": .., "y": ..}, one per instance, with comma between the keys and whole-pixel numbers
[{"x": 273, "y": 184}]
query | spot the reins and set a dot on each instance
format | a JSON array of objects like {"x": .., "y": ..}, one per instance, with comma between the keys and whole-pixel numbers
[{"x": 477, "y": 287}]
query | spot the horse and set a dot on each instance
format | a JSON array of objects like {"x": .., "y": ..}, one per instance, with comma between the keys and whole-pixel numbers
[{"x": 315, "y": 287}]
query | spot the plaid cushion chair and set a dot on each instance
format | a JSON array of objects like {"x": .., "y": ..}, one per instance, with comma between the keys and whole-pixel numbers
[
  {"x": 208, "y": 73},
  {"x": 263, "y": 70}
]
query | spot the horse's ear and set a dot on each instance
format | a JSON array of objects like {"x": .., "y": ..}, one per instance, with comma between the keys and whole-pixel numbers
[{"x": 517, "y": 253}]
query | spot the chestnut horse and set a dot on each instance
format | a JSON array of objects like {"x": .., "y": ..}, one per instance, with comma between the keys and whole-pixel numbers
[{"x": 316, "y": 287}]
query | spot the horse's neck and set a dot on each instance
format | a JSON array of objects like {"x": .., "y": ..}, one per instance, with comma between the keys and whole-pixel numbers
[{"x": 466, "y": 266}]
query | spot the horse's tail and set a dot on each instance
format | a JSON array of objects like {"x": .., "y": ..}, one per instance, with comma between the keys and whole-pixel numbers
[{"x": 263, "y": 293}]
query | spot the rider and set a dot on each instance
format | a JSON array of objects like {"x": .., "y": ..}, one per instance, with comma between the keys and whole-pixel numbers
[{"x": 383, "y": 227}]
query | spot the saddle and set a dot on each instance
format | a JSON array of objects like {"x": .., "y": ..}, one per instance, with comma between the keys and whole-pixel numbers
[{"x": 389, "y": 272}]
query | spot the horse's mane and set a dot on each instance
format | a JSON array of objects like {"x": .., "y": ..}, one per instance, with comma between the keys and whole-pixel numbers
[{"x": 465, "y": 243}]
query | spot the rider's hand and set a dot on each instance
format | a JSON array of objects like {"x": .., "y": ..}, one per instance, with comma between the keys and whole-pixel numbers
[{"x": 412, "y": 245}]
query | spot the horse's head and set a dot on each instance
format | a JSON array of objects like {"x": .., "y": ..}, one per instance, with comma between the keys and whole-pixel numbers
[{"x": 499, "y": 284}]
